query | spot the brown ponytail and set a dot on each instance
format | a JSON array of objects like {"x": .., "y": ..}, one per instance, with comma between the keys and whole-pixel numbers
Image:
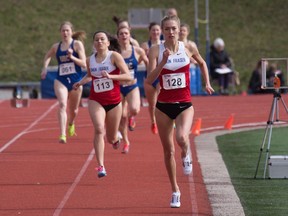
[{"x": 79, "y": 35}]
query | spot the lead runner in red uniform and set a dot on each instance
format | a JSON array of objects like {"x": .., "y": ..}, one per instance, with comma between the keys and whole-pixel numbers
[
  {"x": 170, "y": 62},
  {"x": 106, "y": 68}
]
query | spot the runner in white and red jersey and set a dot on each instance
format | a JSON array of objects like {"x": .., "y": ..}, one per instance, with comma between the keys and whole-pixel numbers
[
  {"x": 170, "y": 63},
  {"x": 106, "y": 68},
  {"x": 174, "y": 79},
  {"x": 104, "y": 90}
]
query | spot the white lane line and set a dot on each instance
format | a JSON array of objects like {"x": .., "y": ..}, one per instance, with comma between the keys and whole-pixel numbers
[
  {"x": 56, "y": 128},
  {"x": 245, "y": 125},
  {"x": 193, "y": 196},
  {"x": 72, "y": 187},
  {"x": 28, "y": 128}
]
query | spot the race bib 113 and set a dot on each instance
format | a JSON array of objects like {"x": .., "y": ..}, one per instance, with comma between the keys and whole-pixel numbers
[{"x": 103, "y": 84}]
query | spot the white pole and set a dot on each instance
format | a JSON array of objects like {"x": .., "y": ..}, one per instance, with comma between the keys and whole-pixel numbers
[
  {"x": 196, "y": 26},
  {"x": 207, "y": 35}
]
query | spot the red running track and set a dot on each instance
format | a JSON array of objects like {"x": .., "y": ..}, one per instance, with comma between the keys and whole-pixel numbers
[{"x": 39, "y": 176}]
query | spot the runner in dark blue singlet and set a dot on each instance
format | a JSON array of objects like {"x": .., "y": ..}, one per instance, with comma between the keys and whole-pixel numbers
[{"x": 70, "y": 54}]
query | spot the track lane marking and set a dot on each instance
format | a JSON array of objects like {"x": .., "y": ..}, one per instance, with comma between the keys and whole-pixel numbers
[
  {"x": 6, "y": 145},
  {"x": 73, "y": 186}
]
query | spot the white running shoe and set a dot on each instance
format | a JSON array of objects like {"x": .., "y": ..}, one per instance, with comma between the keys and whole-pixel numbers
[
  {"x": 175, "y": 200},
  {"x": 119, "y": 135},
  {"x": 187, "y": 164}
]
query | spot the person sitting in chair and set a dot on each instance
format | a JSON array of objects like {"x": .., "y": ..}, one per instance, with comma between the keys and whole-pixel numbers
[{"x": 220, "y": 65}]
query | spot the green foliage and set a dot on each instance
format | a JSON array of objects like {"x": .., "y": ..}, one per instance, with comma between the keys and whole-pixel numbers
[
  {"x": 240, "y": 152},
  {"x": 250, "y": 29}
]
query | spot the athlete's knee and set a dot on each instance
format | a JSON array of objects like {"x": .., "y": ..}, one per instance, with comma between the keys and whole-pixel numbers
[
  {"x": 169, "y": 153},
  {"x": 62, "y": 106},
  {"x": 99, "y": 130},
  {"x": 134, "y": 111},
  {"x": 182, "y": 139}
]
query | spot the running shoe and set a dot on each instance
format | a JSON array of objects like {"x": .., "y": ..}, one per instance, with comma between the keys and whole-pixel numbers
[
  {"x": 71, "y": 130},
  {"x": 62, "y": 139},
  {"x": 131, "y": 123},
  {"x": 187, "y": 164},
  {"x": 101, "y": 171},
  {"x": 125, "y": 149},
  {"x": 175, "y": 200},
  {"x": 119, "y": 135},
  {"x": 116, "y": 144},
  {"x": 154, "y": 128}
]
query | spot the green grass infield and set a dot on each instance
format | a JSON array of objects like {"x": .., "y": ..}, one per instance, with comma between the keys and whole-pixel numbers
[{"x": 240, "y": 152}]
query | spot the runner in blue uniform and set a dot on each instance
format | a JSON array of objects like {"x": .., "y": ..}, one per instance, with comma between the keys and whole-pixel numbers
[
  {"x": 151, "y": 91},
  {"x": 132, "y": 55},
  {"x": 70, "y": 54}
]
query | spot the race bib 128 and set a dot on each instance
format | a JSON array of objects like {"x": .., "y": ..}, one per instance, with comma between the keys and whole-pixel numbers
[{"x": 174, "y": 81}]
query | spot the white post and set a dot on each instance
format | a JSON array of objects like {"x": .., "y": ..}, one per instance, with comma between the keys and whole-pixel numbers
[
  {"x": 207, "y": 35},
  {"x": 196, "y": 26}
]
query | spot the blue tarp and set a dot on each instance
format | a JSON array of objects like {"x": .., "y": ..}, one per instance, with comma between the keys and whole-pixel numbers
[
  {"x": 47, "y": 90},
  {"x": 195, "y": 80},
  {"x": 47, "y": 85}
]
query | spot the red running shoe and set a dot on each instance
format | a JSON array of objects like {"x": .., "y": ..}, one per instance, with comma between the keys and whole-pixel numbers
[
  {"x": 125, "y": 149},
  {"x": 154, "y": 128},
  {"x": 132, "y": 123}
]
